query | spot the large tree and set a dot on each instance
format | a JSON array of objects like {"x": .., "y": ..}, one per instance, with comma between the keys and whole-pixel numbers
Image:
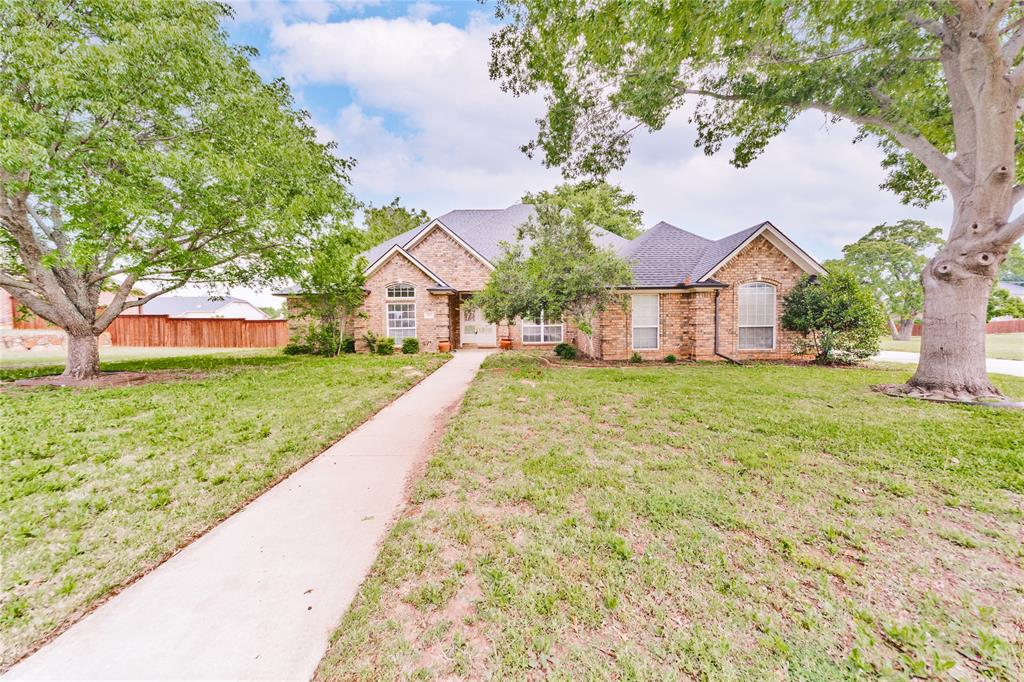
[
  {"x": 937, "y": 82},
  {"x": 595, "y": 202},
  {"x": 137, "y": 145},
  {"x": 555, "y": 268},
  {"x": 889, "y": 260}
]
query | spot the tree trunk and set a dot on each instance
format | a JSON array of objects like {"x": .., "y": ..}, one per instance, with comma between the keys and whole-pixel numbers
[
  {"x": 893, "y": 329},
  {"x": 905, "y": 331},
  {"x": 952, "y": 363},
  {"x": 83, "y": 361}
]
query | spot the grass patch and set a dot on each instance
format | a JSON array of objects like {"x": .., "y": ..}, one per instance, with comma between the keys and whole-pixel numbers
[
  {"x": 98, "y": 484},
  {"x": 1002, "y": 346},
  {"x": 701, "y": 521}
]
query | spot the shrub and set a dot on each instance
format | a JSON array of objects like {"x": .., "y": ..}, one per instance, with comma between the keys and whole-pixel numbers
[
  {"x": 385, "y": 346},
  {"x": 670, "y": 358},
  {"x": 410, "y": 345},
  {"x": 840, "y": 319},
  {"x": 371, "y": 341},
  {"x": 635, "y": 357},
  {"x": 566, "y": 351},
  {"x": 324, "y": 339},
  {"x": 296, "y": 349},
  {"x": 348, "y": 344}
]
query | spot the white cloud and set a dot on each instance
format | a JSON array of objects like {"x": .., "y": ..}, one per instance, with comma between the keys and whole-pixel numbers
[
  {"x": 427, "y": 124},
  {"x": 423, "y": 10}
]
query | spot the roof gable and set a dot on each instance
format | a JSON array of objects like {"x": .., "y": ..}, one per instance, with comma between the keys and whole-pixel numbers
[
  {"x": 733, "y": 244},
  {"x": 397, "y": 250}
]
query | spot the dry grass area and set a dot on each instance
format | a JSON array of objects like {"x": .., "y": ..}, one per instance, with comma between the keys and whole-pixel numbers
[
  {"x": 97, "y": 485},
  {"x": 703, "y": 522}
]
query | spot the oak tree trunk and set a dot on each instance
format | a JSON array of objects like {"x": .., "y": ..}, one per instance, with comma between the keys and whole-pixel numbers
[
  {"x": 83, "y": 356},
  {"x": 905, "y": 330}
]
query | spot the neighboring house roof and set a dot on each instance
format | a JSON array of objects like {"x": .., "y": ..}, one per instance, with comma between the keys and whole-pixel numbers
[
  {"x": 177, "y": 306},
  {"x": 665, "y": 256},
  {"x": 1015, "y": 288}
]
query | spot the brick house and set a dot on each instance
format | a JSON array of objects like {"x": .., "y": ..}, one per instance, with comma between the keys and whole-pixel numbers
[{"x": 691, "y": 297}]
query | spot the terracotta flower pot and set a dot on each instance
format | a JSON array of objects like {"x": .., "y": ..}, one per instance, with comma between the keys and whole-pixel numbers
[
  {"x": 506, "y": 344},
  {"x": 444, "y": 346}
]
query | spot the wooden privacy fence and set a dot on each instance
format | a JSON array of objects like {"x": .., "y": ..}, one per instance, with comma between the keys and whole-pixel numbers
[
  {"x": 199, "y": 332},
  {"x": 993, "y": 327}
]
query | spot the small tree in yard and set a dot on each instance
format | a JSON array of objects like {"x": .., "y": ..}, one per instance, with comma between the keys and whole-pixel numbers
[
  {"x": 136, "y": 145},
  {"x": 888, "y": 260},
  {"x": 332, "y": 286},
  {"x": 562, "y": 273},
  {"x": 1002, "y": 304},
  {"x": 939, "y": 83},
  {"x": 840, "y": 319}
]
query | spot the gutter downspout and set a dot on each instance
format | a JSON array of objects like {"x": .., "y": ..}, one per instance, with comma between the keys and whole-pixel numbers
[{"x": 721, "y": 355}]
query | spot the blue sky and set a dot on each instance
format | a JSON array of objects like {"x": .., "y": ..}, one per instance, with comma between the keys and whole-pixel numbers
[{"x": 402, "y": 87}]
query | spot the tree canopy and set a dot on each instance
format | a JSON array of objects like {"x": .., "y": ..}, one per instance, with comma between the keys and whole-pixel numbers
[
  {"x": 597, "y": 203},
  {"x": 137, "y": 145},
  {"x": 1013, "y": 268},
  {"x": 937, "y": 83},
  {"x": 888, "y": 260},
  {"x": 390, "y": 220}
]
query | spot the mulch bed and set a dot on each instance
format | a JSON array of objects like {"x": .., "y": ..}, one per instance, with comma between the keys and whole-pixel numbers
[{"x": 106, "y": 379}]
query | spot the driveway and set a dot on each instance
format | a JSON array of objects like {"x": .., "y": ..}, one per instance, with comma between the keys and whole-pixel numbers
[
  {"x": 259, "y": 595},
  {"x": 994, "y": 365}
]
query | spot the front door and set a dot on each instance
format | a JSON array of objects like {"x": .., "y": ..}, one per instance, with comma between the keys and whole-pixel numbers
[{"x": 476, "y": 331}]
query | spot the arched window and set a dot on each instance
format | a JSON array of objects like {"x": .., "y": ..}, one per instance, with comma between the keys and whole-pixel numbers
[
  {"x": 757, "y": 316},
  {"x": 401, "y": 290},
  {"x": 401, "y": 322}
]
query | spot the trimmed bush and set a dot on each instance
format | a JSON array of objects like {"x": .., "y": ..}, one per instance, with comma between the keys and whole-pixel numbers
[
  {"x": 371, "y": 341},
  {"x": 635, "y": 357},
  {"x": 385, "y": 346},
  {"x": 566, "y": 351},
  {"x": 296, "y": 349},
  {"x": 410, "y": 345},
  {"x": 670, "y": 358},
  {"x": 348, "y": 344}
]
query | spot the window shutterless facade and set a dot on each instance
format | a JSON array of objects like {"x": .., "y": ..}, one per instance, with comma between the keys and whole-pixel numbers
[
  {"x": 756, "y": 316},
  {"x": 401, "y": 310},
  {"x": 646, "y": 326},
  {"x": 541, "y": 330}
]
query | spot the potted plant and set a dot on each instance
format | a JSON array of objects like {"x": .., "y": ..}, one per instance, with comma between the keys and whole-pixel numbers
[
  {"x": 444, "y": 346},
  {"x": 505, "y": 342}
]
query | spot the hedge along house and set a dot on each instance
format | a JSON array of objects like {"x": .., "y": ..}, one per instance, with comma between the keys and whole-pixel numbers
[{"x": 691, "y": 297}]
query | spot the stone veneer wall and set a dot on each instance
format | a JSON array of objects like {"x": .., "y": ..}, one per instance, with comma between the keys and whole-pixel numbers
[
  {"x": 432, "y": 310},
  {"x": 760, "y": 261}
]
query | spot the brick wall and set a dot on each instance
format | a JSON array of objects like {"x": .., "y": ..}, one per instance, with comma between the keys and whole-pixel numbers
[
  {"x": 447, "y": 259},
  {"x": 675, "y": 337},
  {"x": 432, "y": 310},
  {"x": 760, "y": 261}
]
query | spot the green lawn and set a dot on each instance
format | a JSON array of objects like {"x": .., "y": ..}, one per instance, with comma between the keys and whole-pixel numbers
[
  {"x": 1004, "y": 346},
  {"x": 701, "y": 522},
  {"x": 97, "y": 485}
]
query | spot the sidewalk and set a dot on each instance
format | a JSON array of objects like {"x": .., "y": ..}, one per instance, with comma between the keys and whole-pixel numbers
[
  {"x": 994, "y": 365},
  {"x": 259, "y": 595}
]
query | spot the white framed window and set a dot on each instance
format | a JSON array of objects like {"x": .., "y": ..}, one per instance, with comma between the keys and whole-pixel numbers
[
  {"x": 401, "y": 290},
  {"x": 646, "y": 313},
  {"x": 542, "y": 330},
  {"x": 401, "y": 321},
  {"x": 757, "y": 316}
]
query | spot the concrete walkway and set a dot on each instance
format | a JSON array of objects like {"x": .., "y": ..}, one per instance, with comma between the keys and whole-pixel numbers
[
  {"x": 993, "y": 365},
  {"x": 258, "y": 596}
]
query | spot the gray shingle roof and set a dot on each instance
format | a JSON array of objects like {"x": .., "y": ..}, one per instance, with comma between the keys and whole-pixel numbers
[
  {"x": 180, "y": 305},
  {"x": 485, "y": 229},
  {"x": 664, "y": 256}
]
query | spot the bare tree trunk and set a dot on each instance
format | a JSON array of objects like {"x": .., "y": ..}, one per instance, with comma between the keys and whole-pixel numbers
[
  {"x": 905, "y": 331},
  {"x": 893, "y": 329},
  {"x": 952, "y": 363},
  {"x": 83, "y": 357}
]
